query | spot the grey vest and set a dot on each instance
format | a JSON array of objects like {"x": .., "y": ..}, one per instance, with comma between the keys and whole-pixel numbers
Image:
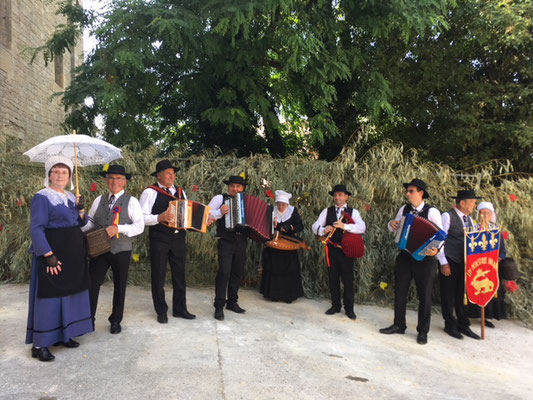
[
  {"x": 104, "y": 217},
  {"x": 454, "y": 246}
]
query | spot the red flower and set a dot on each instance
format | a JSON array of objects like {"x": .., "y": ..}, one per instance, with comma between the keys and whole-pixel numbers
[
  {"x": 511, "y": 286},
  {"x": 368, "y": 207},
  {"x": 195, "y": 188},
  {"x": 269, "y": 193},
  {"x": 94, "y": 187},
  {"x": 1, "y": 227},
  {"x": 513, "y": 197},
  {"x": 505, "y": 235},
  {"x": 20, "y": 201}
]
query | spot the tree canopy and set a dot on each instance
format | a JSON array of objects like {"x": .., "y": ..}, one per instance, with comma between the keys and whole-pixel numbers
[{"x": 288, "y": 76}]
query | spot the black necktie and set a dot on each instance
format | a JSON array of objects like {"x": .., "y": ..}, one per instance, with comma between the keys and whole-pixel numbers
[
  {"x": 168, "y": 191},
  {"x": 466, "y": 221},
  {"x": 111, "y": 201}
]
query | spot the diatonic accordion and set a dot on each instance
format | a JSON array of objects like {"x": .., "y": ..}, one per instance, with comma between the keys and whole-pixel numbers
[
  {"x": 247, "y": 211},
  {"x": 188, "y": 214},
  {"x": 416, "y": 235}
]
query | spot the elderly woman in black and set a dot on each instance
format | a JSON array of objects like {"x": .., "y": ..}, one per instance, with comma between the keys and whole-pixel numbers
[{"x": 281, "y": 280}]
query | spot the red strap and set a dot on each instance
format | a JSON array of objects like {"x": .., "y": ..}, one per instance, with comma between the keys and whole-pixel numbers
[
  {"x": 163, "y": 192},
  {"x": 327, "y": 255}
]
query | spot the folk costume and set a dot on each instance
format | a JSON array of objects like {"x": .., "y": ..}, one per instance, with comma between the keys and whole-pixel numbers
[
  {"x": 166, "y": 245},
  {"x": 340, "y": 267},
  {"x": 281, "y": 279},
  {"x": 231, "y": 249},
  {"x": 496, "y": 308},
  {"x": 406, "y": 269},
  {"x": 123, "y": 210},
  {"x": 452, "y": 288},
  {"x": 58, "y": 308}
]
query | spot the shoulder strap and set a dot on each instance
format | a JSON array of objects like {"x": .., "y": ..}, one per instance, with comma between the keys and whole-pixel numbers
[{"x": 163, "y": 192}]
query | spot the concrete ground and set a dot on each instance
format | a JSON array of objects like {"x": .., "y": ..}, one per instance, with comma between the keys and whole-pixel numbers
[{"x": 274, "y": 351}]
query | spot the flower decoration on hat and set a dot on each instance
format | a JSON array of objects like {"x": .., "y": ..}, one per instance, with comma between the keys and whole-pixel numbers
[
  {"x": 243, "y": 175},
  {"x": 105, "y": 168}
]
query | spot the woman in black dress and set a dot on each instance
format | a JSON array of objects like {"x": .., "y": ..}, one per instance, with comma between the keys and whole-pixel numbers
[{"x": 281, "y": 280}]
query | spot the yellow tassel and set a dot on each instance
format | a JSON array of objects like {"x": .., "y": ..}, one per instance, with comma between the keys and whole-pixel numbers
[{"x": 466, "y": 300}]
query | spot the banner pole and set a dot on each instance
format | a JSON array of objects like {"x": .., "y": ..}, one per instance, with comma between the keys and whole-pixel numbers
[{"x": 482, "y": 323}]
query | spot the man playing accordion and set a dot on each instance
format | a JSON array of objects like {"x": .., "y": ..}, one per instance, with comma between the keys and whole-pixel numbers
[{"x": 408, "y": 268}]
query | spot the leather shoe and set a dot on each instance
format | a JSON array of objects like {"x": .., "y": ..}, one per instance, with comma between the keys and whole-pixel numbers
[
  {"x": 71, "y": 344},
  {"x": 43, "y": 354},
  {"x": 185, "y": 315},
  {"x": 453, "y": 333},
  {"x": 162, "y": 318},
  {"x": 392, "y": 329},
  {"x": 115, "y": 328},
  {"x": 350, "y": 314},
  {"x": 235, "y": 308},
  {"x": 422, "y": 338},
  {"x": 333, "y": 310},
  {"x": 468, "y": 332},
  {"x": 219, "y": 313},
  {"x": 489, "y": 324}
]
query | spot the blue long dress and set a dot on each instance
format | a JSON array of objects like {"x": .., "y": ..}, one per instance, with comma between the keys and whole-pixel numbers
[{"x": 56, "y": 319}]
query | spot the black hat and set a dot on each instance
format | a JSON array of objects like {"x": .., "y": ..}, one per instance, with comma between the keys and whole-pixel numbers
[
  {"x": 340, "y": 188},
  {"x": 116, "y": 169},
  {"x": 419, "y": 183},
  {"x": 466, "y": 194},
  {"x": 236, "y": 179},
  {"x": 163, "y": 165}
]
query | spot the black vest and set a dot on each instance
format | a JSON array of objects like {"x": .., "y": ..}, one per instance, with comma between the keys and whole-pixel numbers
[
  {"x": 160, "y": 206},
  {"x": 331, "y": 217},
  {"x": 454, "y": 246},
  {"x": 410, "y": 209},
  {"x": 223, "y": 233}
]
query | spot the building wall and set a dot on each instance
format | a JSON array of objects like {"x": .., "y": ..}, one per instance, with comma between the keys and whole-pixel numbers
[{"x": 28, "y": 113}]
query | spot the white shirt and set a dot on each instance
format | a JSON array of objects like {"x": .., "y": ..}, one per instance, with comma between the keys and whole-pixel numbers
[
  {"x": 433, "y": 215},
  {"x": 446, "y": 227},
  {"x": 134, "y": 212},
  {"x": 148, "y": 197},
  {"x": 215, "y": 204},
  {"x": 358, "y": 227}
]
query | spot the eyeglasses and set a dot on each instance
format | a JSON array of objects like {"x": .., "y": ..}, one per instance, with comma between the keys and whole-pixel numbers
[{"x": 411, "y": 191}]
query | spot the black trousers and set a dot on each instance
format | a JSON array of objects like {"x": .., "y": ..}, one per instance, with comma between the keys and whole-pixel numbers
[
  {"x": 171, "y": 249},
  {"x": 98, "y": 267},
  {"x": 423, "y": 272},
  {"x": 341, "y": 268},
  {"x": 231, "y": 262},
  {"x": 452, "y": 294}
]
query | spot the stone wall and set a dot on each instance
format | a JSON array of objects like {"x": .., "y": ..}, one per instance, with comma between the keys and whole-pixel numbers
[{"x": 28, "y": 113}]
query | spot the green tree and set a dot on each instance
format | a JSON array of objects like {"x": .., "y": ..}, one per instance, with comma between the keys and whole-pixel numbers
[
  {"x": 463, "y": 96},
  {"x": 197, "y": 74}
]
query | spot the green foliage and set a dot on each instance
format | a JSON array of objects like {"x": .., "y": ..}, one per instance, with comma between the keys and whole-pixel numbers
[{"x": 375, "y": 179}]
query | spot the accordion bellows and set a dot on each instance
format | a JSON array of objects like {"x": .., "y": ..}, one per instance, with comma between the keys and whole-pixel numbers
[
  {"x": 416, "y": 235},
  {"x": 251, "y": 212},
  {"x": 189, "y": 214}
]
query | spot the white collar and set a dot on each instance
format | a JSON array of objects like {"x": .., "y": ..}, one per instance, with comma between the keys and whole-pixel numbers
[
  {"x": 117, "y": 195},
  {"x": 164, "y": 187}
]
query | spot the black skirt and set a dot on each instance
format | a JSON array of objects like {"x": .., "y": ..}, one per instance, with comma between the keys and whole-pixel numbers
[
  {"x": 68, "y": 245},
  {"x": 281, "y": 280}
]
